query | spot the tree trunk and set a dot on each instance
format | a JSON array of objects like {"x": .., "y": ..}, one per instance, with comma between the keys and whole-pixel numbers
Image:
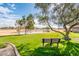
[
  {"x": 66, "y": 36},
  {"x": 25, "y": 31},
  {"x": 18, "y": 30}
]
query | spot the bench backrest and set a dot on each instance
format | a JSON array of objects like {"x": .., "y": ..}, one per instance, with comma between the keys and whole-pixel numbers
[
  {"x": 48, "y": 40},
  {"x": 55, "y": 40}
]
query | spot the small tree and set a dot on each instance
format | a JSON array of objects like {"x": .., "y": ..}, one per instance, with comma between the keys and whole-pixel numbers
[
  {"x": 29, "y": 22},
  {"x": 24, "y": 21},
  {"x": 18, "y": 24}
]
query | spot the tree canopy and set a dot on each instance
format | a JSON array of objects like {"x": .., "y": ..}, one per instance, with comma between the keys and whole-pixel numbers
[{"x": 66, "y": 14}]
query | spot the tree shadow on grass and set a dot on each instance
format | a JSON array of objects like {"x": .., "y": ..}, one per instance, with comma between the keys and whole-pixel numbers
[
  {"x": 46, "y": 51},
  {"x": 24, "y": 49},
  {"x": 71, "y": 49}
]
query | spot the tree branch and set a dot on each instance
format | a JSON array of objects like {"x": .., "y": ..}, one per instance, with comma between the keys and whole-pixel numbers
[
  {"x": 73, "y": 26},
  {"x": 73, "y": 19},
  {"x": 53, "y": 29}
]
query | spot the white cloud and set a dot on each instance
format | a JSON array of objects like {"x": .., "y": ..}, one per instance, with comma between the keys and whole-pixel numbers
[
  {"x": 5, "y": 10},
  {"x": 7, "y": 22},
  {"x": 10, "y": 16},
  {"x": 7, "y": 18},
  {"x": 12, "y": 6}
]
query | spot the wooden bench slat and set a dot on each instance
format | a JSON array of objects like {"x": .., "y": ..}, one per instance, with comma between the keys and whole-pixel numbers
[{"x": 51, "y": 40}]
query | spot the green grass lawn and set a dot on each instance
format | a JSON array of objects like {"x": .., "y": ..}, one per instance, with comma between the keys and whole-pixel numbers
[{"x": 31, "y": 44}]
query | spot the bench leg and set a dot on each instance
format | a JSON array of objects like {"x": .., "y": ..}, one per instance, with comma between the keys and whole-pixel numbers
[
  {"x": 57, "y": 45},
  {"x": 43, "y": 44},
  {"x": 50, "y": 44}
]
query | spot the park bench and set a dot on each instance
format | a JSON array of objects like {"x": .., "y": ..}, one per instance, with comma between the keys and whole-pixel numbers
[{"x": 51, "y": 40}]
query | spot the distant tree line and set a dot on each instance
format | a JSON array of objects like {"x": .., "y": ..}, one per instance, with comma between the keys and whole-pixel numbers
[{"x": 7, "y": 28}]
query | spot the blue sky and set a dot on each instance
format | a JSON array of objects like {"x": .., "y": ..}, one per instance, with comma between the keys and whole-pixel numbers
[
  {"x": 25, "y": 9},
  {"x": 10, "y": 12},
  {"x": 20, "y": 8}
]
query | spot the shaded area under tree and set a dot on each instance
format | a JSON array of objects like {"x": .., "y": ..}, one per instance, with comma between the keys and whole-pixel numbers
[{"x": 69, "y": 49}]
